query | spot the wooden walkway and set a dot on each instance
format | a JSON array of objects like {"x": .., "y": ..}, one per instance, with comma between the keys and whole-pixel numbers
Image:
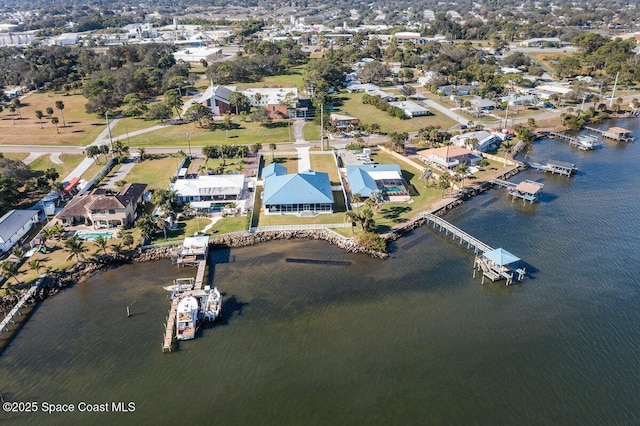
[
  {"x": 554, "y": 166},
  {"x": 170, "y": 329},
  {"x": 4, "y": 325},
  {"x": 457, "y": 233},
  {"x": 202, "y": 266},
  {"x": 503, "y": 183}
]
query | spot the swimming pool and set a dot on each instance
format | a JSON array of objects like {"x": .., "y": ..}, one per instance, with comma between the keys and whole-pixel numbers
[
  {"x": 394, "y": 189},
  {"x": 87, "y": 236}
]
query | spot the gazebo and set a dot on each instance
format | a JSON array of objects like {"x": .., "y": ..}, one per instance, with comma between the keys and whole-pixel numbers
[{"x": 498, "y": 264}]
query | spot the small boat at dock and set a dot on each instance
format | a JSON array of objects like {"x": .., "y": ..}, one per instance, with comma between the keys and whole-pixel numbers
[
  {"x": 212, "y": 304},
  {"x": 187, "y": 317},
  {"x": 180, "y": 285}
]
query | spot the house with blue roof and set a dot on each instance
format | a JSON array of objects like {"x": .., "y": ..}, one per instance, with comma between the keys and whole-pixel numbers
[
  {"x": 363, "y": 179},
  {"x": 299, "y": 193}
]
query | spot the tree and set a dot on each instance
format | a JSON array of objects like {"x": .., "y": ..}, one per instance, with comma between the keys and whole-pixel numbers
[
  {"x": 55, "y": 121},
  {"x": 10, "y": 270},
  {"x": 52, "y": 175},
  {"x": 398, "y": 140},
  {"x": 255, "y": 148},
  {"x": 39, "y": 116},
  {"x": 141, "y": 152},
  {"x": 507, "y": 145},
  {"x": 261, "y": 115},
  {"x": 173, "y": 100},
  {"x": 239, "y": 101},
  {"x": 272, "y": 147},
  {"x": 407, "y": 90},
  {"x": 366, "y": 220},
  {"x": 374, "y": 72},
  {"x": 93, "y": 151},
  {"x": 117, "y": 249},
  {"x": 372, "y": 241},
  {"x": 60, "y": 107},
  {"x": 159, "y": 111},
  {"x": 135, "y": 107},
  {"x": 17, "y": 103},
  {"x": 461, "y": 172},
  {"x": 147, "y": 227},
  {"x": 198, "y": 113},
  {"x": 101, "y": 242},
  {"x": 356, "y": 199},
  {"x": 104, "y": 149},
  {"x": 444, "y": 182},
  {"x": 35, "y": 265},
  {"x": 75, "y": 247},
  {"x": 49, "y": 111},
  {"x": 127, "y": 239}
]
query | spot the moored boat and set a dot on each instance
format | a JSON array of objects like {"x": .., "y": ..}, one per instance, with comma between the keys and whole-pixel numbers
[
  {"x": 212, "y": 304},
  {"x": 180, "y": 285},
  {"x": 187, "y": 317}
]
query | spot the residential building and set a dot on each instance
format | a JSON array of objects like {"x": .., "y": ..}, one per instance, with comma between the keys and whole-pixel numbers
[
  {"x": 448, "y": 157},
  {"x": 386, "y": 178},
  {"x": 480, "y": 140},
  {"x": 198, "y": 54},
  {"x": 14, "y": 225},
  {"x": 210, "y": 192},
  {"x": 411, "y": 109},
  {"x": 101, "y": 209},
  {"x": 307, "y": 193},
  {"x": 479, "y": 104},
  {"x": 280, "y": 102},
  {"x": 342, "y": 121}
]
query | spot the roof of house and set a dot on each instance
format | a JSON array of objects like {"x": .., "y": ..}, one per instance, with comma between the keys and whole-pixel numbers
[
  {"x": 134, "y": 191},
  {"x": 334, "y": 116},
  {"x": 362, "y": 178},
  {"x": 13, "y": 220},
  {"x": 409, "y": 106},
  {"x": 528, "y": 187},
  {"x": 446, "y": 152},
  {"x": 220, "y": 92},
  {"x": 274, "y": 169},
  {"x": 209, "y": 185},
  {"x": 300, "y": 188},
  {"x": 271, "y": 95}
]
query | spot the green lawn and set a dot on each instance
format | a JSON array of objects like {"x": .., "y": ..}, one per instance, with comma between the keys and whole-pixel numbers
[
  {"x": 154, "y": 172},
  {"x": 18, "y": 156},
  {"x": 241, "y": 133},
  {"x": 292, "y": 79},
  {"x": 311, "y": 131},
  {"x": 231, "y": 224},
  {"x": 352, "y": 105},
  {"x": 290, "y": 162},
  {"x": 326, "y": 163},
  {"x": 129, "y": 125},
  {"x": 70, "y": 161}
]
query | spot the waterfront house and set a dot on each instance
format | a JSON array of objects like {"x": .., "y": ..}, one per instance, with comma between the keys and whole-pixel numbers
[
  {"x": 306, "y": 193},
  {"x": 209, "y": 192},
  {"x": 14, "y": 225},
  {"x": 366, "y": 178},
  {"x": 480, "y": 140},
  {"x": 102, "y": 209},
  {"x": 448, "y": 157}
]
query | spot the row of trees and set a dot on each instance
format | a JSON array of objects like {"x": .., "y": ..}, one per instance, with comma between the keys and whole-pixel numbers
[{"x": 383, "y": 105}]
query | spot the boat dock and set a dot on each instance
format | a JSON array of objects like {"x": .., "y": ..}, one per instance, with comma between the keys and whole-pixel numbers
[
  {"x": 8, "y": 319},
  {"x": 615, "y": 133},
  {"x": 202, "y": 266},
  {"x": 456, "y": 233},
  {"x": 527, "y": 190},
  {"x": 494, "y": 263},
  {"x": 585, "y": 142},
  {"x": 555, "y": 167}
]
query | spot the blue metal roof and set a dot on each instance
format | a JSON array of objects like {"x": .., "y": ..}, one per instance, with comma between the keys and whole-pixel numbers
[
  {"x": 501, "y": 257},
  {"x": 361, "y": 182},
  {"x": 273, "y": 169},
  {"x": 301, "y": 188}
]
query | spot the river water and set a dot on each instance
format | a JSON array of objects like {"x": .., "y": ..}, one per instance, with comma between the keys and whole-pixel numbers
[{"x": 410, "y": 340}]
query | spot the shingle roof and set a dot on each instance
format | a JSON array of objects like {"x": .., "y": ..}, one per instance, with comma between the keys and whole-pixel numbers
[{"x": 301, "y": 188}]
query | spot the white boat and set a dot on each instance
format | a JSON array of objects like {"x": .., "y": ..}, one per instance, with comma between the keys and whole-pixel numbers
[
  {"x": 180, "y": 285},
  {"x": 186, "y": 319},
  {"x": 587, "y": 142},
  {"x": 212, "y": 304}
]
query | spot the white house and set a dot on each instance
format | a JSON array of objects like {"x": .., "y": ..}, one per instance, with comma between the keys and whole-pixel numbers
[
  {"x": 411, "y": 109},
  {"x": 197, "y": 54},
  {"x": 67, "y": 39},
  {"x": 481, "y": 141},
  {"x": 209, "y": 192},
  {"x": 14, "y": 225}
]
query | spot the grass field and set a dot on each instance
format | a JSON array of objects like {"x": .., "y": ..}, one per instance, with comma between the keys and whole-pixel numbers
[
  {"x": 127, "y": 125},
  {"x": 290, "y": 162},
  {"x": 292, "y": 79},
  {"x": 311, "y": 131},
  {"x": 70, "y": 161},
  {"x": 81, "y": 128},
  {"x": 241, "y": 134},
  {"x": 231, "y": 224},
  {"x": 326, "y": 163},
  {"x": 352, "y": 105},
  {"x": 154, "y": 172}
]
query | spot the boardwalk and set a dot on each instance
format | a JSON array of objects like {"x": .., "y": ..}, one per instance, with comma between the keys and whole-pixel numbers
[
  {"x": 585, "y": 142},
  {"x": 555, "y": 166},
  {"x": 4, "y": 325},
  {"x": 457, "y": 233},
  {"x": 170, "y": 326},
  {"x": 202, "y": 266}
]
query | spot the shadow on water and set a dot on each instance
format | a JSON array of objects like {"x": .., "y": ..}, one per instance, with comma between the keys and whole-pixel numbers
[{"x": 231, "y": 307}]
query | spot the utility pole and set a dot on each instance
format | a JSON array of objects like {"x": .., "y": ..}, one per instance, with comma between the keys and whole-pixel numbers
[
  {"x": 615, "y": 84},
  {"x": 106, "y": 114},
  {"x": 189, "y": 142},
  {"x": 321, "y": 127}
]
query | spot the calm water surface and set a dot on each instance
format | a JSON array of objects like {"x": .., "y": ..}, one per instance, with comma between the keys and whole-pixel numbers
[{"x": 411, "y": 340}]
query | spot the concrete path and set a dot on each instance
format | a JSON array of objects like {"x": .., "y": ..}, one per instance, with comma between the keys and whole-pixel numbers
[
  {"x": 298, "y": 132},
  {"x": 55, "y": 158},
  {"x": 304, "y": 161},
  {"x": 446, "y": 111},
  {"x": 210, "y": 225},
  {"x": 120, "y": 174},
  {"x": 32, "y": 157}
]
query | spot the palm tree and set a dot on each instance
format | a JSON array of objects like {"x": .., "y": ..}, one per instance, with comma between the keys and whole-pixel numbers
[
  {"x": 356, "y": 199},
  {"x": 60, "y": 107},
  {"x": 507, "y": 145},
  {"x": 141, "y": 152},
  {"x": 444, "y": 182},
  {"x": 272, "y": 147},
  {"x": 101, "y": 242},
  {"x": 127, "y": 239},
  {"x": 18, "y": 104},
  {"x": 39, "y": 116},
  {"x": 162, "y": 225},
  {"x": 35, "y": 265},
  {"x": 55, "y": 121},
  {"x": 461, "y": 172},
  {"x": 49, "y": 111},
  {"x": 352, "y": 217},
  {"x": 18, "y": 252},
  {"x": 117, "y": 249},
  {"x": 366, "y": 219},
  {"x": 10, "y": 270},
  {"x": 75, "y": 247}
]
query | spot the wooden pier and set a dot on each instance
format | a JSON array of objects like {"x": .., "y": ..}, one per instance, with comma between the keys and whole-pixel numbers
[
  {"x": 489, "y": 270},
  {"x": 170, "y": 326},
  {"x": 526, "y": 191},
  {"x": 456, "y": 233},
  {"x": 555, "y": 167},
  {"x": 8, "y": 319},
  {"x": 614, "y": 133},
  {"x": 585, "y": 143}
]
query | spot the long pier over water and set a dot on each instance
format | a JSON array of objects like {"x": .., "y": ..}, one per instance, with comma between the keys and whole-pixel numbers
[
  {"x": 456, "y": 233},
  {"x": 23, "y": 301}
]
